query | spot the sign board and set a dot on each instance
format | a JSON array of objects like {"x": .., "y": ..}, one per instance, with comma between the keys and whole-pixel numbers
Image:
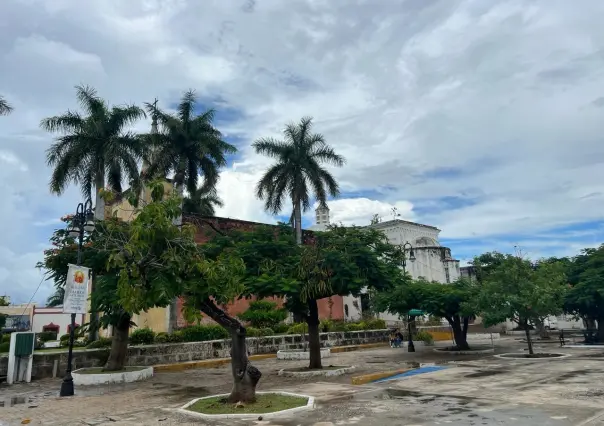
[{"x": 75, "y": 300}]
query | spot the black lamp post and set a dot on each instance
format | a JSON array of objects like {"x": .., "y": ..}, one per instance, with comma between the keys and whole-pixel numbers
[
  {"x": 82, "y": 222},
  {"x": 404, "y": 247}
]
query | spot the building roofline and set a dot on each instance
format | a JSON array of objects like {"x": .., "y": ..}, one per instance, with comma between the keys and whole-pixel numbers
[{"x": 400, "y": 221}]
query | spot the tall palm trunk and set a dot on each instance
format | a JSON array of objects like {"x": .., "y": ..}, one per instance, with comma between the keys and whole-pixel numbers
[
  {"x": 99, "y": 214},
  {"x": 173, "y": 310},
  {"x": 298, "y": 220}
]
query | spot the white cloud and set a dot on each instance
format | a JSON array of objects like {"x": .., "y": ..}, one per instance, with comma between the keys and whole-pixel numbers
[{"x": 498, "y": 104}]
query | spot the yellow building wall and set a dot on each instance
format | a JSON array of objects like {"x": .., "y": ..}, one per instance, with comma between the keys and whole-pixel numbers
[{"x": 154, "y": 318}]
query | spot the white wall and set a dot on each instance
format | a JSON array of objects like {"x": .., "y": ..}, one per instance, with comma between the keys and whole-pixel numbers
[
  {"x": 45, "y": 316},
  {"x": 354, "y": 313}
]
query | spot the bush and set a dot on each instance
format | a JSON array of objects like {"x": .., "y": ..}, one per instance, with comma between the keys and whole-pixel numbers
[
  {"x": 425, "y": 337},
  {"x": 338, "y": 326},
  {"x": 267, "y": 331},
  {"x": 325, "y": 326},
  {"x": 354, "y": 327},
  {"x": 253, "y": 332},
  {"x": 280, "y": 328},
  {"x": 263, "y": 314},
  {"x": 4, "y": 347},
  {"x": 298, "y": 328},
  {"x": 64, "y": 340},
  {"x": 163, "y": 337},
  {"x": 103, "y": 342},
  {"x": 142, "y": 336},
  {"x": 202, "y": 333},
  {"x": 46, "y": 336},
  {"x": 5, "y": 338},
  {"x": 375, "y": 324}
]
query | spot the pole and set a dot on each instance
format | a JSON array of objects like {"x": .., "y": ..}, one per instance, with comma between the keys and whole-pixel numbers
[
  {"x": 67, "y": 384},
  {"x": 410, "y": 345}
]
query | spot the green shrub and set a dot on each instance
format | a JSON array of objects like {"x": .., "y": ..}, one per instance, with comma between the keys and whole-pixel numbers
[
  {"x": 263, "y": 314},
  {"x": 375, "y": 324},
  {"x": 280, "y": 328},
  {"x": 298, "y": 328},
  {"x": 4, "y": 347},
  {"x": 103, "y": 342},
  {"x": 5, "y": 338},
  {"x": 142, "y": 336},
  {"x": 325, "y": 325},
  {"x": 253, "y": 332},
  {"x": 47, "y": 336},
  {"x": 202, "y": 333},
  {"x": 425, "y": 337},
  {"x": 354, "y": 327},
  {"x": 338, "y": 326},
  {"x": 267, "y": 331}
]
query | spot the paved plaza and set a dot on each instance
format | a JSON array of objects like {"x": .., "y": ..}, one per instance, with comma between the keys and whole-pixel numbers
[{"x": 472, "y": 390}]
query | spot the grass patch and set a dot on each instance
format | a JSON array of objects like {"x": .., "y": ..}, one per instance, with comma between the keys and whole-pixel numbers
[
  {"x": 265, "y": 403},
  {"x": 99, "y": 370}
]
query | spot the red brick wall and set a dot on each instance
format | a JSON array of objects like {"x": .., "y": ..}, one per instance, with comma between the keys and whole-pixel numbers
[{"x": 205, "y": 232}]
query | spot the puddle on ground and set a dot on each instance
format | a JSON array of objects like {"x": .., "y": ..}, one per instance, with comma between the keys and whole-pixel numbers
[
  {"x": 15, "y": 400},
  {"x": 485, "y": 373}
]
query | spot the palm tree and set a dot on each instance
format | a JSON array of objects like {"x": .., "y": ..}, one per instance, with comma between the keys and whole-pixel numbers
[
  {"x": 94, "y": 149},
  {"x": 202, "y": 202},
  {"x": 189, "y": 146},
  {"x": 5, "y": 107},
  {"x": 56, "y": 299},
  {"x": 297, "y": 171}
]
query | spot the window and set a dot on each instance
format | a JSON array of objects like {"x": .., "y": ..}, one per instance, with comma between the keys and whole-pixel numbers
[{"x": 447, "y": 276}]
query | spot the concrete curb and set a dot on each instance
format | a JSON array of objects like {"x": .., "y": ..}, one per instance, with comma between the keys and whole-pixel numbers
[
  {"x": 309, "y": 405},
  {"x": 519, "y": 357},
  {"x": 465, "y": 352},
  {"x": 219, "y": 362},
  {"x": 316, "y": 373},
  {"x": 300, "y": 355},
  {"x": 368, "y": 378},
  {"x": 83, "y": 379}
]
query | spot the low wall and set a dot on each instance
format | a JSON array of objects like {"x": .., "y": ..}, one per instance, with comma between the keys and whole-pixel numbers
[{"x": 53, "y": 364}]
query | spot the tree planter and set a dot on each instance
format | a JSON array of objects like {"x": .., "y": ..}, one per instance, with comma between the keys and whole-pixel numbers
[
  {"x": 325, "y": 372},
  {"x": 301, "y": 355},
  {"x": 465, "y": 351},
  {"x": 89, "y": 376},
  {"x": 186, "y": 409},
  {"x": 536, "y": 356}
]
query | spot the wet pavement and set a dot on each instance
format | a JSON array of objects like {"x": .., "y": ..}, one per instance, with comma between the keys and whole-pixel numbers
[{"x": 472, "y": 390}]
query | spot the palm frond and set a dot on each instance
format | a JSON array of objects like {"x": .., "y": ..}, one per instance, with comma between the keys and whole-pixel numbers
[{"x": 5, "y": 107}]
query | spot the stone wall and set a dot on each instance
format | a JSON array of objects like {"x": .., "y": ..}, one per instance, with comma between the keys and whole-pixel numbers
[{"x": 51, "y": 364}]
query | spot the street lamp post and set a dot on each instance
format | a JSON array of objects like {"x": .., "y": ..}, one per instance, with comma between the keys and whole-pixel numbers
[
  {"x": 405, "y": 246},
  {"x": 82, "y": 222}
]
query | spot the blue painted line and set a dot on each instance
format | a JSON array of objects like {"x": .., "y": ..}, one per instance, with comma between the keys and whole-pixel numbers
[{"x": 415, "y": 372}]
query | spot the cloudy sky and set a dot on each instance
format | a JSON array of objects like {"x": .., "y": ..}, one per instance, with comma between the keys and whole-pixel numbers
[{"x": 481, "y": 117}]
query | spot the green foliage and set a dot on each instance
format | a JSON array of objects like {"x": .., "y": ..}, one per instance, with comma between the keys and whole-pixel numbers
[
  {"x": 187, "y": 145},
  {"x": 425, "y": 337},
  {"x": 5, "y": 107},
  {"x": 267, "y": 331},
  {"x": 263, "y": 314},
  {"x": 64, "y": 338},
  {"x": 163, "y": 337},
  {"x": 354, "y": 327},
  {"x": 102, "y": 342},
  {"x": 516, "y": 289},
  {"x": 202, "y": 202},
  {"x": 142, "y": 336},
  {"x": 5, "y": 338},
  {"x": 202, "y": 333},
  {"x": 92, "y": 147},
  {"x": 46, "y": 336},
  {"x": 3, "y": 301},
  {"x": 253, "y": 332},
  {"x": 3, "y": 321},
  {"x": 298, "y": 328},
  {"x": 375, "y": 324},
  {"x": 280, "y": 328},
  {"x": 586, "y": 277},
  {"x": 4, "y": 347}
]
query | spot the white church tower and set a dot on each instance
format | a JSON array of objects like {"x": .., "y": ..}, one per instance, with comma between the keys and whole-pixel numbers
[{"x": 321, "y": 218}]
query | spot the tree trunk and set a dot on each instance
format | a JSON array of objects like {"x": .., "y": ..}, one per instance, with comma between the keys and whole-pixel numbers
[
  {"x": 245, "y": 375},
  {"x": 540, "y": 325},
  {"x": 314, "y": 341},
  {"x": 298, "y": 221},
  {"x": 529, "y": 340},
  {"x": 99, "y": 214},
  {"x": 119, "y": 345},
  {"x": 600, "y": 335},
  {"x": 173, "y": 309},
  {"x": 460, "y": 333}
]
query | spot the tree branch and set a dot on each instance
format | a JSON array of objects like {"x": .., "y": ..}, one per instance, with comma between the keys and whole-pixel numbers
[{"x": 209, "y": 308}]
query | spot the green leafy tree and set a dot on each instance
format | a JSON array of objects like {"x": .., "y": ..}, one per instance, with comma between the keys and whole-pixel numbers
[
  {"x": 586, "y": 295},
  {"x": 202, "y": 202},
  {"x": 95, "y": 149},
  {"x": 263, "y": 314},
  {"x": 56, "y": 298},
  {"x": 298, "y": 172},
  {"x": 5, "y": 107},
  {"x": 455, "y": 302},
  {"x": 524, "y": 292}
]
